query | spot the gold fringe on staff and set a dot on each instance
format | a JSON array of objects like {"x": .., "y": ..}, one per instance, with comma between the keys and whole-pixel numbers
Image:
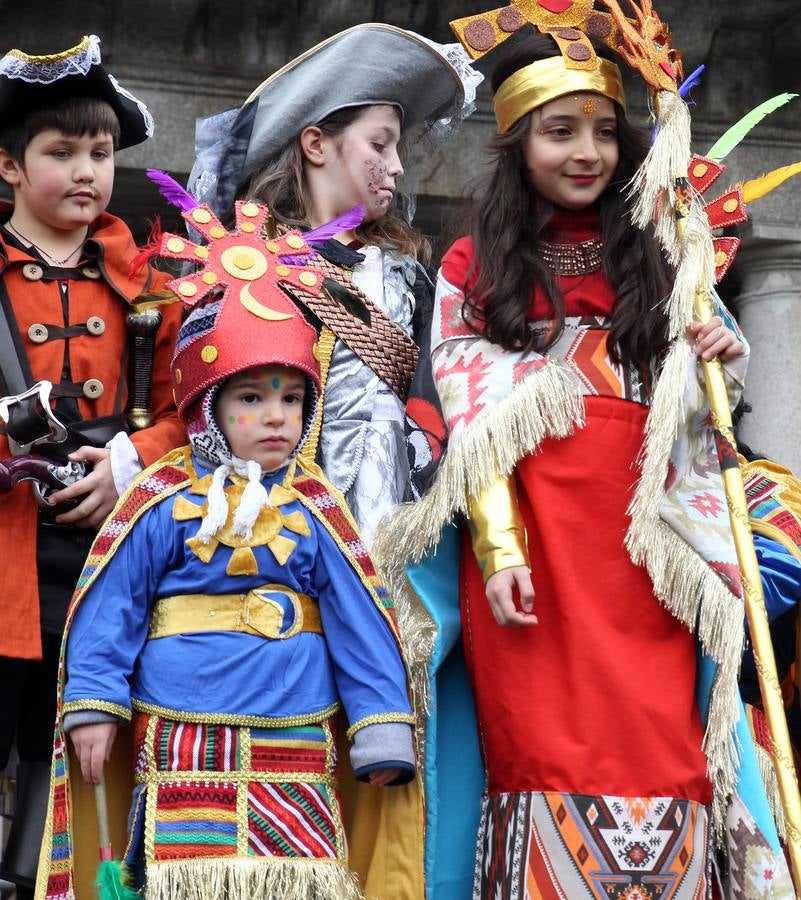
[
  {"x": 767, "y": 770},
  {"x": 652, "y": 186},
  {"x": 242, "y": 879},
  {"x": 682, "y": 581}
]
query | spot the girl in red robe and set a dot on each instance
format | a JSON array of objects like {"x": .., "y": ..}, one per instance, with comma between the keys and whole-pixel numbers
[{"x": 549, "y": 336}]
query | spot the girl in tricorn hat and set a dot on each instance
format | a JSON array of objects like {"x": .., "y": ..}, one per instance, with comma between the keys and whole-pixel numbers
[{"x": 322, "y": 135}]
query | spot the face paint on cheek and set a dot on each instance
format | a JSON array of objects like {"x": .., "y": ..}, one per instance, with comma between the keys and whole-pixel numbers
[
  {"x": 377, "y": 181},
  {"x": 244, "y": 421}
]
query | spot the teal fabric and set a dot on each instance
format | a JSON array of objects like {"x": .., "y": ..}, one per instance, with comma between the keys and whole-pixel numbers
[
  {"x": 749, "y": 779},
  {"x": 454, "y": 777}
]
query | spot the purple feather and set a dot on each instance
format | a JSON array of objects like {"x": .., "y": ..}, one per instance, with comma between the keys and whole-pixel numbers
[
  {"x": 351, "y": 218},
  {"x": 171, "y": 190},
  {"x": 691, "y": 81}
]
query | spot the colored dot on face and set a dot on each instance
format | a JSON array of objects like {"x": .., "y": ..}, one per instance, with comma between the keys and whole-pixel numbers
[
  {"x": 231, "y": 420},
  {"x": 276, "y": 382},
  {"x": 241, "y": 420}
]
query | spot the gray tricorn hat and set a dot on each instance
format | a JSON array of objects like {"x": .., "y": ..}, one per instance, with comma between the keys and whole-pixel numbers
[{"x": 365, "y": 65}]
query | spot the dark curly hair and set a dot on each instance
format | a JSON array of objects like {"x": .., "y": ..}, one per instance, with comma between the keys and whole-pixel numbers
[{"x": 508, "y": 216}]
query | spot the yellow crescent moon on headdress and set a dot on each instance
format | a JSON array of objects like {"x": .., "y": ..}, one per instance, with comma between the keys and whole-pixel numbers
[{"x": 252, "y": 305}]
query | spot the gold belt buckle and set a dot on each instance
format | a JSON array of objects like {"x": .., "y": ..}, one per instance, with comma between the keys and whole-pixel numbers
[{"x": 267, "y": 615}]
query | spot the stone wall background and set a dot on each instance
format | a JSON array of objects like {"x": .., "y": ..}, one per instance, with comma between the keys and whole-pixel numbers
[{"x": 189, "y": 58}]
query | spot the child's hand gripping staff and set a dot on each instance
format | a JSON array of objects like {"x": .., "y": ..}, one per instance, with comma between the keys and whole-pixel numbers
[{"x": 93, "y": 747}]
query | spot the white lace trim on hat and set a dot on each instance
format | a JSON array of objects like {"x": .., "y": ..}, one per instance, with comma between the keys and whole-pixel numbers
[
  {"x": 459, "y": 58},
  {"x": 47, "y": 69},
  {"x": 142, "y": 108}
]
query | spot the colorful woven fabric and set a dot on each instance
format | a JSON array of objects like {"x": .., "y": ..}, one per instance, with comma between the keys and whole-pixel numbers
[
  {"x": 773, "y": 495},
  {"x": 221, "y": 791},
  {"x": 190, "y": 816},
  {"x": 161, "y": 480},
  {"x": 316, "y": 497},
  {"x": 59, "y": 879},
  {"x": 755, "y": 869},
  {"x": 552, "y": 845},
  {"x": 585, "y": 352},
  {"x": 184, "y": 747}
]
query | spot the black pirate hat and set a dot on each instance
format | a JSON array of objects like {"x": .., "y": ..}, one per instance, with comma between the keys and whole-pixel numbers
[{"x": 29, "y": 82}]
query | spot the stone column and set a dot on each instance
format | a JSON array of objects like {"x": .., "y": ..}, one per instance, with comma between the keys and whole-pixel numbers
[{"x": 769, "y": 309}]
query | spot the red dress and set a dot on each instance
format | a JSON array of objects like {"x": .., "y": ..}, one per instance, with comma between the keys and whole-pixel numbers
[{"x": 593, "y": 709}]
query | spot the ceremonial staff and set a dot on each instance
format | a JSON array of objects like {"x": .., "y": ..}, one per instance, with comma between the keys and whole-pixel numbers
[
  {"x": 769, "y": 687},
  {"x": 670, "y": 154}
]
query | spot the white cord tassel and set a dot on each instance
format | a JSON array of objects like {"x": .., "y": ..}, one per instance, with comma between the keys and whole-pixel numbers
[
  {"x": 217, "y": 512},
  {"x": 253, "y": 499}
]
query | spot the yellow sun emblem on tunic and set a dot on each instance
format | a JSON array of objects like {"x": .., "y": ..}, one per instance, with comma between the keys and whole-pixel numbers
[{"x": 266, "y": 529}]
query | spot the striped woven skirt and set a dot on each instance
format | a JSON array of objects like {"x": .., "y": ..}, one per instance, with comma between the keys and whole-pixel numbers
[{"x": 237, "y": 812}]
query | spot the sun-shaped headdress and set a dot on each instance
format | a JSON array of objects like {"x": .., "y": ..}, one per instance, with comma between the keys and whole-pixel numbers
[
  {"x": 242, "y": 318},
  {"x": 245, "y": 278}
]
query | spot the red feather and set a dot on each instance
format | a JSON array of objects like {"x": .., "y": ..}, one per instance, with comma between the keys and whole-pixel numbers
[{"x": 151, "y": 249}]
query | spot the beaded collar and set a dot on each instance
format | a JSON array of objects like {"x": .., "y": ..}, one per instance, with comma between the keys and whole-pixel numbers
[{"x": 580, "y": 258}]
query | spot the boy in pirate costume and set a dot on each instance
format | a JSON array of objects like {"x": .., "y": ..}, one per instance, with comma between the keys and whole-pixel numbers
[
  {"x": 228, "y": 609},
  {"x": 65, "y": 295}
]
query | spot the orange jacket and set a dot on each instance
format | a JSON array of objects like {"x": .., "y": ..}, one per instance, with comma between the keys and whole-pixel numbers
[{"x": 107, "y": 292}]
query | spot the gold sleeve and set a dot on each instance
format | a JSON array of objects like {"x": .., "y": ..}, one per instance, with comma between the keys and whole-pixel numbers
[{"x": 497, "y": 528}]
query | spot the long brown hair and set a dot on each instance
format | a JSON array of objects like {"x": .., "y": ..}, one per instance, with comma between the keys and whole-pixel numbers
[
  {"x": 281, "y": 184},
  {"x": 508, "y": 216}
]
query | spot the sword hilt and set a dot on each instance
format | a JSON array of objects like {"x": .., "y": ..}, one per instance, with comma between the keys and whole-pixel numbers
[{"x": 142, "y": 327}]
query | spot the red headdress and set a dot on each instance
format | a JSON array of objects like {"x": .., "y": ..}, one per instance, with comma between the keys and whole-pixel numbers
[{"x": 248, "y": 320}]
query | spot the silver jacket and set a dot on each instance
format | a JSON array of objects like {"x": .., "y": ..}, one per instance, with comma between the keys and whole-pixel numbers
[{"x": 362, "y": 445}]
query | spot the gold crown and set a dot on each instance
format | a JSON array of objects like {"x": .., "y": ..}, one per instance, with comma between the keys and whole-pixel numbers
[{"x": 643, "y": 42}]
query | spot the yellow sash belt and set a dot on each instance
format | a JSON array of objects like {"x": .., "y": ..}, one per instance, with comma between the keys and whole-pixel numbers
[{"x": 252, "y": 613}]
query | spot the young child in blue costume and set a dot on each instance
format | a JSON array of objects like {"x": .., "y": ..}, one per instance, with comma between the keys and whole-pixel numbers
[{"x": 228, "y": 610}]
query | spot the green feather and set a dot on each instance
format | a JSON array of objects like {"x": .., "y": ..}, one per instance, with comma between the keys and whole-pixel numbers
[
  {"x": 732, "y": 137},
  {"x": 112, "y": 882}
]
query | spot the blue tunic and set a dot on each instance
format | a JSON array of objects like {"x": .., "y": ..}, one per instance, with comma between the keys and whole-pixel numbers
[{"x": 227, "y": 675}]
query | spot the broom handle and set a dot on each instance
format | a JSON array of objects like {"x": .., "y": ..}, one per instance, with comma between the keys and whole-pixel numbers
[{"x": 101, "y": 807}]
